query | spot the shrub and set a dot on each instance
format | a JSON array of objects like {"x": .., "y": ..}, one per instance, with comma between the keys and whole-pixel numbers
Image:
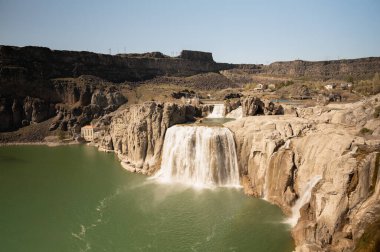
[
  {"x": 376, "y": 114},
  {"x": 376, "y": 84},
  {"x": 365, "y": 131},
  {"x": 350, "y": 79},
  {"x": 61, "y": 135},
  {"x": 250, "y": 86}
]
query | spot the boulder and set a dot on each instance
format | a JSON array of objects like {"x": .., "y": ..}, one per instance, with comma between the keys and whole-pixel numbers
[{"x": 252, "y": 106}]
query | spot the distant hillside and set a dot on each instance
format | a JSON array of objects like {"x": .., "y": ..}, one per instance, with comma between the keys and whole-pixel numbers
[
  {"x": 362, "y": 68},
  {"x": 42, "y": 63}
]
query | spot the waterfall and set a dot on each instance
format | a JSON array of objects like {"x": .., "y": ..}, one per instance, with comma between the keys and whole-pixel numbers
[
  {"x": 217, "y": 111},
  {"x": 200, "y": 156},
  {"x": 304, "y": 198}
]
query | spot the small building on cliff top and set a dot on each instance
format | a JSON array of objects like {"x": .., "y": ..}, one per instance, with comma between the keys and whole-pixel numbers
[{"x": 87, "y": 132}]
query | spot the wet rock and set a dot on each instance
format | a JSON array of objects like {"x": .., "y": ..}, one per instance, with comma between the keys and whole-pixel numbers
[
  {"x": 282, "y": 155},
  {"x": 138, "y": 132}
]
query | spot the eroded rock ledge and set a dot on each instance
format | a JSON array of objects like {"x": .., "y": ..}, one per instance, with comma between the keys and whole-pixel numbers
[
  {"x": 280, "y": 155},
  {"x": 137, "y": 133}
]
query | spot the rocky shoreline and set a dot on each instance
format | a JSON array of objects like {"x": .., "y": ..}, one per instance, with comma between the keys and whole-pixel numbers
[
  {"x": 319, "y": 161},
  {"x": 279, "y": 156}
]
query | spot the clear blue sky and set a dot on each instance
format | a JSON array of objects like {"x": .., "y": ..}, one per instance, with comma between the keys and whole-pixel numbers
[{"x": 235, "y": 31}]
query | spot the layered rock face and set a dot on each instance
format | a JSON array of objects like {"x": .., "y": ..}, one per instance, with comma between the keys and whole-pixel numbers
[
  {"x": 252, "y": 106},
  {"x": 358, "y": 68},
  {"x": 74, "y": 102},
  {"x": 137, "y": 133},
  {"x": 320, "y": 157},
  {"x": 362, "y": 68},
  {"x": 17, "y": 112},
  {"x": 43, "y": 63},
  {"x": 37, "y": 83}
]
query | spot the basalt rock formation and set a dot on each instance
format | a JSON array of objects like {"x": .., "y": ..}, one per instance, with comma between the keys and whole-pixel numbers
[
  {"x": 43, "y": 63},
  {"x": 319, "y": 168},
  {"x": 358, "y": 68},
  {"x": 73, "y": 101},
  {"x": 252, "y": 106},
  {"x": 37, "y": 83},
  {"x": 362, "y": 68}
]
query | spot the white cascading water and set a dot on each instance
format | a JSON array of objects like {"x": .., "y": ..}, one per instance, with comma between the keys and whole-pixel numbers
[
  {"x": 217, "y": 111},
  {"x": 199, "y": 156},
  {"x": 305, "y": 198}
]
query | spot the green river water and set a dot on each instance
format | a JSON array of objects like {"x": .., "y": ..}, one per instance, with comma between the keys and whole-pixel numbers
[{"x": 75, "y": 198}]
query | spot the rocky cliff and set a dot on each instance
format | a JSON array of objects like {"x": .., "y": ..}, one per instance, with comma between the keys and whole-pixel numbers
[
  {"x": 318, "y": 168},
  {"x": 362, "y": 68},
  {"x": 43, "y": 63},
  {"x": 137, "y": 133},
  {"x": 316, "y": 164},
  {"x": 37, "y": 83},
  {"x": 73, "y": 101},
  {"x": 358, "y": 68}
]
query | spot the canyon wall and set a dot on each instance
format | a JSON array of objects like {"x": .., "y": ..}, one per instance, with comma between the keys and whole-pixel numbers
[
  {"x": 315, "y": 164},
  {"x": 43, "y": 63},
  {"x": 37, "y": 83},
  {"x": 362, "y": 68},
  {"x": 74, "y": 102},
  {"x": 320, "y": 159},
  {"x": 137, "y": 133},
  {"x": 357, "y": 68}
]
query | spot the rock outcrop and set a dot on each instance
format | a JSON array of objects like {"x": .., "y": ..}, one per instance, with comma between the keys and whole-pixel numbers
[
  {"x": 18, "y": 112},
  {"x": 43, "y": 63},
  {"x": 254, "y": 106},
  {"x": 320, "y": 160},
  {"x": 37, "y": 83},
  {"x": 137, "y": 133},
  {"x": 362, "y": 68},
  {"x": 73, "y": 101}
]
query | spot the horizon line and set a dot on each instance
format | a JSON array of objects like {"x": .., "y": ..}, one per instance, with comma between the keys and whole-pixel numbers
[{"x": 126, "y": 53}]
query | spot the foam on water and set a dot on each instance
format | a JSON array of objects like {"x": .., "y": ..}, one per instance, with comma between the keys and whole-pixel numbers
[{"x": 199, "y": 156}]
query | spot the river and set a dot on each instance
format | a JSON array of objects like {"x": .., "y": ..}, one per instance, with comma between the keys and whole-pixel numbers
[{"x": 75, "y": 198}]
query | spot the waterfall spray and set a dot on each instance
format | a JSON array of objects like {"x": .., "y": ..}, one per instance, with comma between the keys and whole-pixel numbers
[
  {"x": 200, "y": 156},
  {"x": 217, "y": 111}
]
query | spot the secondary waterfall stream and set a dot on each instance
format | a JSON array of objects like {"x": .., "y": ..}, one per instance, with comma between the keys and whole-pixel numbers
[
  {"x": 304, "y": 198},
  {"x": 217, "y": 112},
  {"x": 200, "y": 156}
]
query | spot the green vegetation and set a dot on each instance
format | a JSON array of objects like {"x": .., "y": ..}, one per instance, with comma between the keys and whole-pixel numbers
[
  {"x": 376, "y": 84},
  {"x": 365, "y": 131},
  {"x": 370, "y": 240},
  {"x": 376, "y": 114},
  {"x": 61, "y": 135},
  {"x": 285, "y": 84},
  {"x": 249, "y": 86},
  {"x": 369, "y": 87},
  {"x": 350, "y": 79}
]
